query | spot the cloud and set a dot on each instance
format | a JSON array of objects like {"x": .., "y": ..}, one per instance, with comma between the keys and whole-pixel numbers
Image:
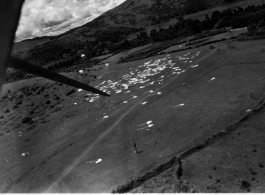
[{"x": 52, "y": 17}]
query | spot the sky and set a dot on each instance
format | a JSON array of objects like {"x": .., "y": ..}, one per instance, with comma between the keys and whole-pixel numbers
[{"x": 53, "y": 17}]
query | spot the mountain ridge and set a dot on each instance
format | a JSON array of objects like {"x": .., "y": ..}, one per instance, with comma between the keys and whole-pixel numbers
[
  {"x": 128, "y": 18},
  {"x": 132, "y": 14}
]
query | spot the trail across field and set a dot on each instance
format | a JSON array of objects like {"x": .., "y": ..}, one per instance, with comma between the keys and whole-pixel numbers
[
  {"x": 128, "y": 110},
  {"x": 159, "y": 107}
]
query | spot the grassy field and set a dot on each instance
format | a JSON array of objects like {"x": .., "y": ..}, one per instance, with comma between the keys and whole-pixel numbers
[
  {"x": 56, "y": 139},
  {"x": 117, "y": 57},
  {"x": 227, "y": 36},
  {"x": 102, "y": 57}
]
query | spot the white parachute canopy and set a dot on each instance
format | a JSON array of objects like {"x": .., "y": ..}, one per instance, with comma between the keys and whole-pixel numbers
[{"x": 83, "y": 55}]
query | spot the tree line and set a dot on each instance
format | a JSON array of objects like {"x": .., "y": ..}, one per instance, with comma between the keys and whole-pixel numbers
[{"x": 252, "y": 17}]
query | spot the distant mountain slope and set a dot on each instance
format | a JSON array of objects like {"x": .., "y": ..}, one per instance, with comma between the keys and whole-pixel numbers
[
  {"x": 130, "y": 14},
  {"x": 125, "y": 18},
  {"x": 136, "y": 13}
]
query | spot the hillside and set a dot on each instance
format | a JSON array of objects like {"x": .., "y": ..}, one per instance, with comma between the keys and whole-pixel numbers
[
  {"x": 131, "y": 14},
  {"x": 100, "y": 36},
  {"x": 58, "y": 140},
  {"x": 185, "y": 111}
]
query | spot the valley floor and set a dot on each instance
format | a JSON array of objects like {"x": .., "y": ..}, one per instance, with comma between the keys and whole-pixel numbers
[{"x": 196, "y": 114}]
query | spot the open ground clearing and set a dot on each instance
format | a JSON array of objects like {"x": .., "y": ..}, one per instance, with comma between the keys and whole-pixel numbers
[
  {"x": 227, "y": 35},
  {"x": 117, "y": 57},
  {"x": 75, "y": 141},
  {"x": 102, "y": 57},
  {"x": 233, "y": 162}
]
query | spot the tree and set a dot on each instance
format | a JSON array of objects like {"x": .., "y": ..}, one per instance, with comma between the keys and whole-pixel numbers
[
  {"x": 216, "y": 16},
  {"x": 126, "y": 44},
  {"x": 153, "y": 35},
  {"x": 261, "y": 23},
  {"x": 144, "y": 35},
  {"x": 229, "y": 1},
  {"x": 252, "y": 27},
  {"x": 195, "y": 28},
  {"x": 195, "y": 6},
  {"x": 207, "y": 17}
]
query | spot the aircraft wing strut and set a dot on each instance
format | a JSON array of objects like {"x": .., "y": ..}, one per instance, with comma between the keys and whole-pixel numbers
[{"x": 9, "y": 18}]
